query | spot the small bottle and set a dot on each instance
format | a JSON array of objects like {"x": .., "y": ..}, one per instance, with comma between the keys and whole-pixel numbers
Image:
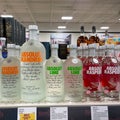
[
  {"x": 73, "y": 77},
  {"x": 92, "y": 38},
  {"x": 91, "y": 75},
  {"x": 110, "y": 74},
  {"x": 32, "y": 57},
  {"x": 10, "y": 77},
  {"x": 54, "y": 76},
  {"x": 82, "y": 38}
]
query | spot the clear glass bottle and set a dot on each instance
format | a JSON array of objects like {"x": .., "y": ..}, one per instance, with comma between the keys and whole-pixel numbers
[
  {"x": 73, "y": 76},
  {"x": 92, "y": 70},
  {"x": 54, "y": 76},
  {"x": 110, "y": 75},
  {"x": 10, "y": 77},
  {"x": 32, "y": 57}
]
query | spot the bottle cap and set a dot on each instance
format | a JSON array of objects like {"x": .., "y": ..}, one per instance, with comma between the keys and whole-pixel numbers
[
  {"x": 33, "y": 27},
  {"x": 79, "y": 48},
  {"x": 117, "y": 47},
  {"x": 92, "y": 45},
  {"x": 10, "y": 45},
  {"x": 110, "y": 46},
  {"x": 73, "y": 46},
  {"x": 54, "y": 46},
  {"x": 2, "y": 39}
]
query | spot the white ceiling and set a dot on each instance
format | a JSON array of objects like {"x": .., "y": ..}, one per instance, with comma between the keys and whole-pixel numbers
[{"x": 47, "y": 13}]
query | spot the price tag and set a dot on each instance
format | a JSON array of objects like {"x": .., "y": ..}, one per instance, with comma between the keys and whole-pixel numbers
[
  {"x": 26, "y": 113},
  {"x": 99, "y": 113},
  {"x": 58, "y": 113}
]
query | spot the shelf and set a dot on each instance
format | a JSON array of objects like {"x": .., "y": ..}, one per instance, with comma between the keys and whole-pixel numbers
[{"x": 61, "y": 104}]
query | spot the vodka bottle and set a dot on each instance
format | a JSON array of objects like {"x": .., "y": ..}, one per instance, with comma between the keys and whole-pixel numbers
[
  {"x": 54, "y": 77},
  {"x": 110, "y": 75},
  {"x": 32, "y": 57},
  {"x": 91, "y": 75},
  {"x": 10, "y": 78},
  {"x": 73, "y": 76}
]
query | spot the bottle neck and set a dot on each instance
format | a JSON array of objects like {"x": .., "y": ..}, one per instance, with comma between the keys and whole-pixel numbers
[
  {"x": 54, "y": 52},
  {"x": 110, "y": 53},
  {"x": 92, "y": 52},
  {"x": 73, "y": 52},
  {"x": 33, "y": 35},
  {"x": 85, "y": 52}
]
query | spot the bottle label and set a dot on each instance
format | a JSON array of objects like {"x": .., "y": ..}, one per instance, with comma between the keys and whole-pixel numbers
[
  {"x": 31, "y": 57},
  {"x": 73, "y": 82},
  {"x": 111, "y": 70},
  {"x": 55, "y": 81},
  {"x": 32, "y": 80},
  {"x": 94, "y": 70},
  {"x": 54, "y": 70},
  {"x": 91, "y": 77},
  {"x": 10, "y": 82},
  {"x": 110, "y": 77},
  {"x": 75, "y": 69}
]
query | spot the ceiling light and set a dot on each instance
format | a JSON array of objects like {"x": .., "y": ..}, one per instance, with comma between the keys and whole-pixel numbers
[
  {"x": 61, "y": 27},
  {"x": 7, "y": 16},
  {"x": 104, "y": 27},
  {"x": 66, "y": 17},
  {"x": 119, "y": 19}
]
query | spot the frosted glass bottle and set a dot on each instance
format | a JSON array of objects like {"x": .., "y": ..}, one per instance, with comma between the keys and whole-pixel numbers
[
  {"x": 10, "y": 77},
  {"x": 110, "y": 75},
  {"x": 54, "y": 77},
  {"x": 32, "y": 56},
  {"x": 92, "y": 70},
  {"x": 73, "y": 76}
]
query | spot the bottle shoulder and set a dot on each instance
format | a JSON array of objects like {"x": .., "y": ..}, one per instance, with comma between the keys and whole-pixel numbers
[
  {"x": 32, "y": 45},
  {"x": 12, "y": 61},
  {"x": 53, "y": 60},
  {"x": 73, "y": 60}
]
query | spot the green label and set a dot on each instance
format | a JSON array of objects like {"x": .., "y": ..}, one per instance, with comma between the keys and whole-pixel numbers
[
  {"x": 54, "y": 70},
  {"x": 75, "y": 70}
]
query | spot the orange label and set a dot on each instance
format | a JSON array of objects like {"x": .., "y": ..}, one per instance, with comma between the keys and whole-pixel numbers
[
  {"x": 10, "y": 70},
  {"x": 31, "y": 57}
]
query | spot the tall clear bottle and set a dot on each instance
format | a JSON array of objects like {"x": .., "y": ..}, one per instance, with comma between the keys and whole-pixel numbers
[
  {"x": 73, "y": 76},
  {"x": 32, "y": 57},
  {"x": 10, "y": 77},
  {"x": 54, "y": 76},
  {"x": 110, "y": 75},
  {"x": 92, "y": 70}
]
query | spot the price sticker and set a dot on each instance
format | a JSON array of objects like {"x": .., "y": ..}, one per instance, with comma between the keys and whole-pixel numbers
[
  {"x": 99, "y": 113},
  {"x": 26, "y": 113},
  {"x": 58, "y": 113}
]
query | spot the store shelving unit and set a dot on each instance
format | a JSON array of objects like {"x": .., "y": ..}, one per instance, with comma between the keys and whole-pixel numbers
[{"x": 76, "y": 111}]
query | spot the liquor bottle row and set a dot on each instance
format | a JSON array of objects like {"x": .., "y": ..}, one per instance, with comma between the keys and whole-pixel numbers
[{"x": 87, "y": 74}]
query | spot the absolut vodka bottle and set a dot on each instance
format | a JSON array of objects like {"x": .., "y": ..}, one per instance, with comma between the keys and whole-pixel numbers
[
  {"x": 73, "y": 76},
  {"x": 32, "y": 70},
  {"x": 110, "y": 75},
  {"x": 54, "y": 77},
  {"x": 10, "y": 77},
  {"x": 92, "y": 70}
]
